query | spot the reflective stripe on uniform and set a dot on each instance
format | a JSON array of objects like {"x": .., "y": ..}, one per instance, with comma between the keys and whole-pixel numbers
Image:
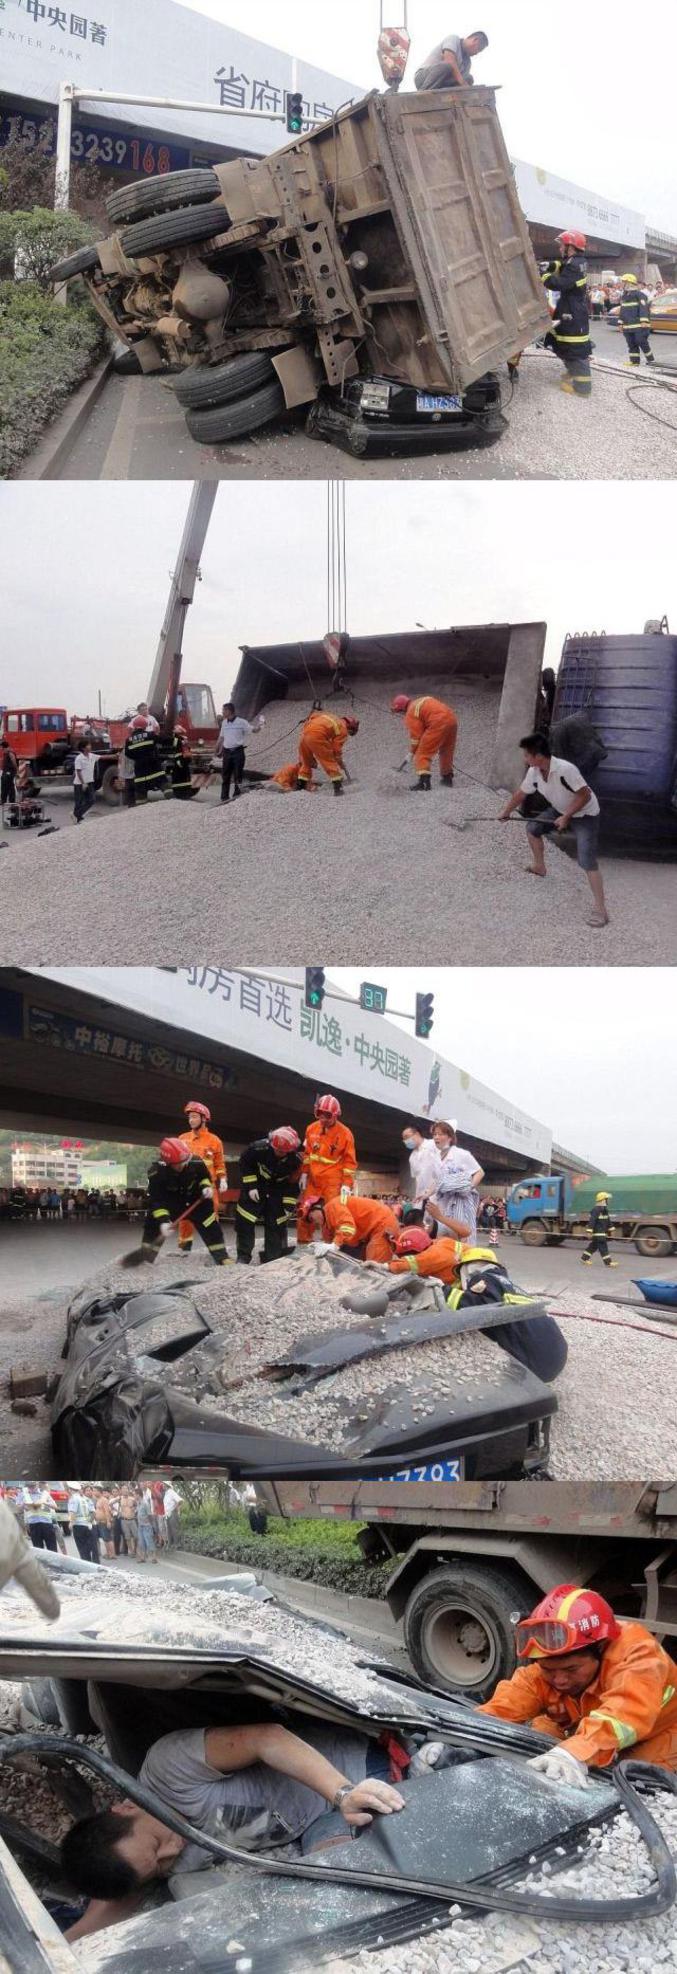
[
  {"x": 209, "y": 1222},
  {"x": 569, "y": 339},
  {"x": 668, "y": 1695},
  {"x": 160, "y": 1213},
  {"x": 411, "y": 1263},
  {"x": 244, "y": 1215},
  {"x": 249, "y": 1178},
  {"x": 624, "y": 1734},
  {"x": 454, "y": 1297},
  {"x": 346, "y": 1227}
]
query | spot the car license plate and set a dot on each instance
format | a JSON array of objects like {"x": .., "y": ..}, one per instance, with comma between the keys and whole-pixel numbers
[
  {"x": 441, "y": 1470},
  {"x": 426, "y": 403}
]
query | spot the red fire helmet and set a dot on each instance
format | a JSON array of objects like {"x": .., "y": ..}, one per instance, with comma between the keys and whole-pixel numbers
[
  {"x": 569, "y": 1619},
  {"x": 574, "y": 240},
  {"x": 352, "y": 724},
  {"x": 173, "y": 1151},
  {"x": 400, "y": 703},
  {"x": 138, "y": 724},
  {"x": 202, "y": 1109},
  {"x": 284, "y": 1139},
  {"x": 327, "y": 1107},
  {"x": 310, "y": 1204},
  {"x": 414, "y": 1240}
]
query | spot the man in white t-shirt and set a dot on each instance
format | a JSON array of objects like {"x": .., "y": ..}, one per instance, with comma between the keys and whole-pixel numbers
[
  {"x": 571, "y": 805},
  {"x": 173, "y": 1506},
  {"x": 231, "y": 743},
  {"x": 143, "y": 714},
  {"x": 448, "y": 66},
  {"x": 84, "y": 770}
]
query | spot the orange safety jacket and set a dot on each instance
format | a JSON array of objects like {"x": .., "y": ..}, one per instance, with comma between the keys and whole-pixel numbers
[
  {"x": 352, "y": 1221},
  {"x": 425, "y": 713},
  {"x": 633, "y": 1697},
  {"x": 441, "y": 1260},
  {"x": 204, "y": 1144},
  {"x": 329, "y": 1158}
]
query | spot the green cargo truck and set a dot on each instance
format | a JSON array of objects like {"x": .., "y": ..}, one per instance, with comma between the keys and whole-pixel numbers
[{"x": 549, "y": 1208}]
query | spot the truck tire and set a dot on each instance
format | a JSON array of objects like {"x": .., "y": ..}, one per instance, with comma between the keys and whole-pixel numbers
[
  {"x": 224, "y": 381},
  {"x": 110, "y": 786},
  {"x": 80, "y": 263},
  {"x": 654, "y": 1241},
  {"x": 173, "y": 229},
  {"x": 533, "y": 1233},
  {"x": 235, "y": 421},
  {"x": 166, "y": 194},
  {"x": 459, "y": 1626}
]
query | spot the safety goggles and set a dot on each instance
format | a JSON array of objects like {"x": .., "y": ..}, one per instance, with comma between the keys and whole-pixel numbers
[{"x": 546, "y": 1637}]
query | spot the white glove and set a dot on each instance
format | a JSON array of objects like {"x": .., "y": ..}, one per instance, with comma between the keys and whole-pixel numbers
[
  {"x": 165, "y": 1230},
  {"x": 303, "y": 1181},
  {"x": 253, "y": 1194},
  {"x": 206, "y": 1192},
  {"x": 426, "y": 1758},
  {"x": 559, "y": 1766},
  {"x": 18, "y": 1559},
  {"x": 323, "y": 1247},
  {"x": 260, "y": 722},
  {"x": 345, "y": 1194},
  {"x": 223, "y": 1185}
]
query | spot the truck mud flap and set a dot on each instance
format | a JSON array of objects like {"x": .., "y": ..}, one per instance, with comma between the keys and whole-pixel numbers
[
  {"x": 316, "y": 1357},
  {"x": 366, "y": 438}
]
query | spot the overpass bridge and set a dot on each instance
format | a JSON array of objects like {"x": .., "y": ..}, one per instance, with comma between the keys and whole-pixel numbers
[{"x": 115, "y": 1054}]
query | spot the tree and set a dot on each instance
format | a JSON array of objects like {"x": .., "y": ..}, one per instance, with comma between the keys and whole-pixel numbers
[{"x": 34, "y": 241}]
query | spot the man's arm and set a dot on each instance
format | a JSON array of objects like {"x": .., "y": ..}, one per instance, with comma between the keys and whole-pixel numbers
[
  {"x": 232, "y": 1748},
  {"x": 578, "y": 801},
  {"x": 515, "y": 803},
  {"x": 450, "y": 62},
  {"x": 105, "y": 1912}
]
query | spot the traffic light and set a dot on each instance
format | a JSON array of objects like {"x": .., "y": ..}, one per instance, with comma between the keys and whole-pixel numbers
[
  {"x": 314, "y": 994},
  {"x": 424, "y": 1015},
  {"x": 294, "y": 112}
]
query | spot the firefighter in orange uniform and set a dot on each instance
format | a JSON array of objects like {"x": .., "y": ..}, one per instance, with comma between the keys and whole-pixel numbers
[
  {"x": 288, "y": 777},
  {"x": 329, "y": 1159},
  {"x": 600, "y": 1688},
  {"x": 321, "y": 745},
  {"x": 203, "y": 1144},
  {"x": 433, "y": 729},
  {"x": 365, "y": 1227},
  {"x": 416, "y": 1254}
]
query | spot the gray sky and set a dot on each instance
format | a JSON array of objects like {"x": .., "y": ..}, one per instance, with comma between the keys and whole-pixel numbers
[
  {"x": 589, "y": 97},
  {"x": 592, "y": 1054},
  {"x": 85, "y": 569}
]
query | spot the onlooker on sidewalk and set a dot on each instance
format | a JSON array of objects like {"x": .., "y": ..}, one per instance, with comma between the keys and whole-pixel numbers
[
  {"x": 173, "y": 1506},
  {"x": 103, "y": 1514},
  {"x": 571, "y": 804},
  {"x": 83, "y": 1524},
  {"x": 157, "y": 1489},
  {"x": 128, "y": 1519},
  {"x": 146, "y": 1529},
  {"x": 40, "y": 1518}
]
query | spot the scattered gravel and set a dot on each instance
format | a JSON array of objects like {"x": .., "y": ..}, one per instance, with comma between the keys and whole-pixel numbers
[{"x": 355, "y": 870}]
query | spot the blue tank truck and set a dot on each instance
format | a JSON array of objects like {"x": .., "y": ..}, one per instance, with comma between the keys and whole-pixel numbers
[
  {"x": 549, "y": 1208},
  {"x": 625, "y": 688}
]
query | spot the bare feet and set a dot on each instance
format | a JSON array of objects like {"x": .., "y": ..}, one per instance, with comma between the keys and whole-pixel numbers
[{"x": 531, "y": 871}]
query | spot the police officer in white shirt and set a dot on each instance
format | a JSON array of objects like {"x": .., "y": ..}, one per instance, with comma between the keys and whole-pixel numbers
[
  {"x": 231, "y": 743},
  {"x": 571, "y": 804}
]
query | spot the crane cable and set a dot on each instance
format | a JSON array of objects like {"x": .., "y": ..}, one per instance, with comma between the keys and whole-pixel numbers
[
  {"x": 337, "y": 566},
  {"x": 403, "y": 23}
]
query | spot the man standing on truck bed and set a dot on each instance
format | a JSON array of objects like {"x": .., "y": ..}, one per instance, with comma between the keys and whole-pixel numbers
[
  {"x": 571, "y": 804},
  {"x": 449, "y": 64},
  {"x": 598, "y": 1686}
]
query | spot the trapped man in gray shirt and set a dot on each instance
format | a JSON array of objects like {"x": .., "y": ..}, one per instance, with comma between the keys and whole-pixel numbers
[
  {"x": 449, "y": 64},
  {"x": 253, "y": 1786}
]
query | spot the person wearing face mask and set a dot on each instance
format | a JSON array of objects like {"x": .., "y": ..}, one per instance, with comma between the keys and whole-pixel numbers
[{"x": 425, "y": 1163}]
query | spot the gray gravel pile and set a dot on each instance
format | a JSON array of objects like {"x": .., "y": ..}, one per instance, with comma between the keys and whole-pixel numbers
[
  {"x": 382, "y": 742},
  {"x": 613, "y": 1865},
  {"x": 617, "y": 1395},
  {"x": 254, "y": 877},
  {"x": 133, "y": 1610}
]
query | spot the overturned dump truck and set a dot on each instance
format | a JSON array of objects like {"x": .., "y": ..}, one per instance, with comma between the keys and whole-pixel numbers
[
  {"x": 468, "y": 1561},
  {"x": 281, "y": 1373},
  {"x": 378, "y": 270},
  {"x": 481, "y": 1831}
]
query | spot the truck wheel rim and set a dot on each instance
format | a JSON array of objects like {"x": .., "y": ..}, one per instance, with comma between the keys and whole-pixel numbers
[{"x": 461, "y": 1645}]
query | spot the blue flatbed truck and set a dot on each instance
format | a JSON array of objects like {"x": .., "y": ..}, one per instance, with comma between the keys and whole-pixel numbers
[{"x": 549, "y": 1208}]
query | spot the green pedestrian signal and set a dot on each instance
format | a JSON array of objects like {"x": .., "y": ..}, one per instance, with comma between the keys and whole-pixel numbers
[
  {"x": 424, "y": 1015},
  {"x": 294, "y": 112},
  {"x": 315, "y": 979}
]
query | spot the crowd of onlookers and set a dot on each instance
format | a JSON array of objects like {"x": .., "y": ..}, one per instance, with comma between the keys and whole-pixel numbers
[
  {"x": 133, "y": 1519},
  {"x": 71, "y": 1203}
]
